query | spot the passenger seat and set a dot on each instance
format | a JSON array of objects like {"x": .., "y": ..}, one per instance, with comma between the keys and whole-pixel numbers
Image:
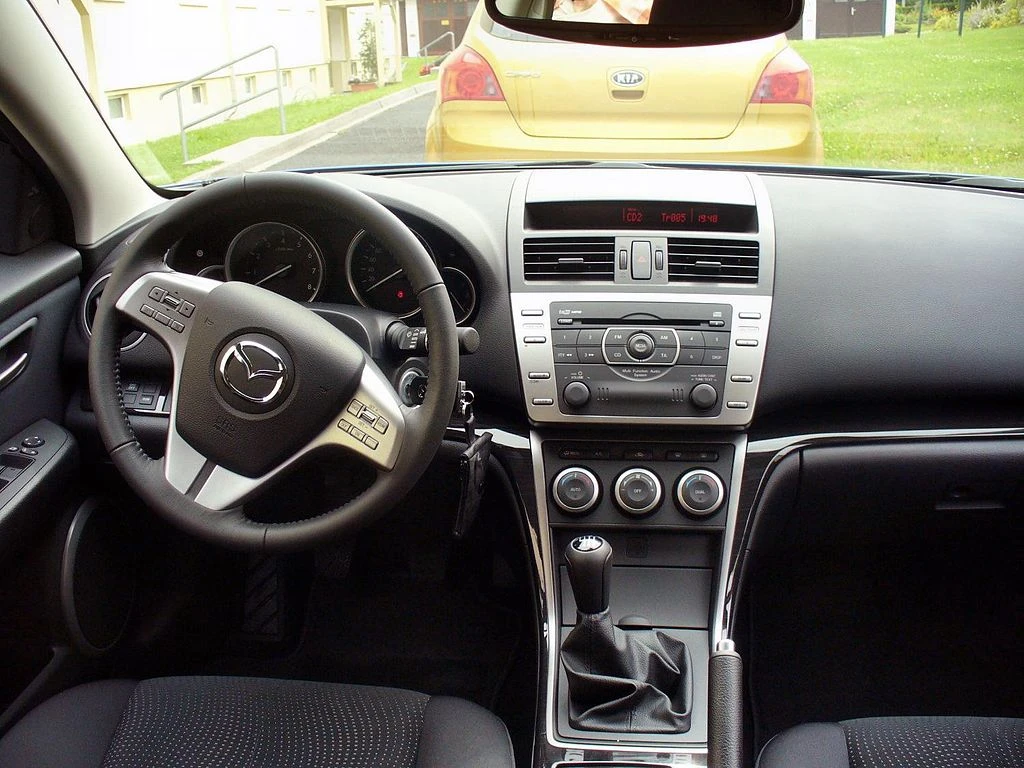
[{"x": 899, "y": 742}]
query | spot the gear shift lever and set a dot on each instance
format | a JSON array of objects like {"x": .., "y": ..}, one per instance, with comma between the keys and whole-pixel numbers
[
  {"x": 590, "y": 572},
  {"x": 635, "y": 681}
]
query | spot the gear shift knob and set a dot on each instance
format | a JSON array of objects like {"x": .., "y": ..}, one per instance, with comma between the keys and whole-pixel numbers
[{"x": 590, "y": 572}]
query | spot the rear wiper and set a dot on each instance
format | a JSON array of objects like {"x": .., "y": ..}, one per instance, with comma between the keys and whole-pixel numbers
[{"x": 1002, "y": 183}]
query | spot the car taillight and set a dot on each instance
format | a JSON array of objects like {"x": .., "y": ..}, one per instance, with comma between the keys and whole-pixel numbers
[
  {"x": 467, "y": 76},
  {"x": 786, "y": 80}
]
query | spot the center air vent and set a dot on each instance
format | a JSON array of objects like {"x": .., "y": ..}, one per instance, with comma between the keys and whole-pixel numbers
[
  {"x": 569, "y": 258},
  {"x": 712, "y": 261}
]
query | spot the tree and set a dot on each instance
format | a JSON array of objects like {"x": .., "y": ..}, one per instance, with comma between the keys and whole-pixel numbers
[{"x": 368, "y": 50}]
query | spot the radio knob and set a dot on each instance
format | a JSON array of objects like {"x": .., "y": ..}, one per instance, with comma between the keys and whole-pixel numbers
[
  {"x": 575, "y": 490},
  {"x": 703, "y": 396},
  {"x": 637, "y": 491},
  {"x": 576, "y": 394},
  {"x": 640, "y": 346},
  {"x": 700, "y": 493}
]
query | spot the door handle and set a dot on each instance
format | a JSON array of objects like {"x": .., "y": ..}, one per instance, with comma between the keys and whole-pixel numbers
[
  {"x": 15, "y": 351},
  {"x": 13, "y": 371}
]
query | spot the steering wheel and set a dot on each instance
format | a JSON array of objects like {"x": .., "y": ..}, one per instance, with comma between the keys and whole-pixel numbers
[{"x": 259, "y": 381}]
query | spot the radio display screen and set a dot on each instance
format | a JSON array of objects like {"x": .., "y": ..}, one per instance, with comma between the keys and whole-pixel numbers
[{"x": 688, "y": 217}]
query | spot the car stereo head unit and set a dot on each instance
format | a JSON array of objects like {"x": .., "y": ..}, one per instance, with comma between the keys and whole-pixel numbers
[{"x": 645, "y": 303}]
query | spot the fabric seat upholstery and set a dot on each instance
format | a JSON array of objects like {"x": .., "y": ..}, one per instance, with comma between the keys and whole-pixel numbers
[
  {"x": 900, "y": 742},
  {"x": 216, "y": 722}
]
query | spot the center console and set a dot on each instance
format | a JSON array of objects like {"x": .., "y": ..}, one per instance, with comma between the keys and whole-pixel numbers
[{"x": 641, "y": 310}]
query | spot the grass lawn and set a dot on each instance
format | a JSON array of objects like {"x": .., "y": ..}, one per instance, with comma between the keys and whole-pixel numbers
[
  {"x": 939, "y": 103},
  {"x": 160, "y": 160}
]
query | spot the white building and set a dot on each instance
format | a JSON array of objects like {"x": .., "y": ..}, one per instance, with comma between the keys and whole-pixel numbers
[{"x": 130, "y": 53}]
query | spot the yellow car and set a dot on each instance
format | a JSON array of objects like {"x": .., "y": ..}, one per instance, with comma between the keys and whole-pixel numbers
[{"x": 505, "y": 95}]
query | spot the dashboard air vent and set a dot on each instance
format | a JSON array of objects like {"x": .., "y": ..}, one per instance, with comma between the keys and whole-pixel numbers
[
  {"x": 712, "y": 261},
  {"x": 569, "y": 258}
]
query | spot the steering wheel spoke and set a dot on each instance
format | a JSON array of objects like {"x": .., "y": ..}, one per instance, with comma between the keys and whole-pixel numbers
[
  {"x": 166, "y": 304},
  {"x": 374, "y": 422}
]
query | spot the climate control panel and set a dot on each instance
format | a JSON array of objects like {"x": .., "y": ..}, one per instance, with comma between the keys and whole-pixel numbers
[{"x": 659, "y": 484}]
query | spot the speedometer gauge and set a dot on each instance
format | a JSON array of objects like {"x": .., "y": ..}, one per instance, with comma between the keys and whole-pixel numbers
[
  {"x": 377, "y": 279},
  {"x": 278, "y": 257}
]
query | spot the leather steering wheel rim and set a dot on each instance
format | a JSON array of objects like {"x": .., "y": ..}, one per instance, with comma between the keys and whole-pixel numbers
[{"x": 143, "y": 259}]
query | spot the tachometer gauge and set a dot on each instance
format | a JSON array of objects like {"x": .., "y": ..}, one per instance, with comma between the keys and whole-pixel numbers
[
  {"x": 461, "y": 292},
  {"x": 278, "y": 257},
  {"x": 376, "y": 279}
]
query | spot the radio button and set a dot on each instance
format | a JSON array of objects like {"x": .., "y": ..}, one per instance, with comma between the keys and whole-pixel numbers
[
  {"x": 589, "y": 355},
  {"x": 564, "y": 338},
  {"x": 576, "y": 394},
  {"x": 539, "y": 375},
  {"x": 564, "y": 321},
  {"x": 716, "y": 340},
  {"x": 640, "y": 346},
  {"x": 665, "y": 338},
  {"x": 617, "y": 336},
  {"x": 566, "y": 355},
  {"x": 691, "y": 357},
  {"x": 616, "y": 355},
  {"x": 703, "y": 396},
  {"x": 663, "y": 357},
  {"x": 741, "y": 378},
  {"x": 715, "y": 357},
  {"x": 590, "y": 338},
  {"x": 691, "y": 338},
  {"x": 716, "y": 323},
  {"x": 746, "y": 342}
]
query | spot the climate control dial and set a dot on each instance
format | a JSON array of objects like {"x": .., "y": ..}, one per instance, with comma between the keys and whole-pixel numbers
[
  {"x": 700, "y": 492},
  {"x": 575, "y": 490},
  {"x": 638, "y": 491}
]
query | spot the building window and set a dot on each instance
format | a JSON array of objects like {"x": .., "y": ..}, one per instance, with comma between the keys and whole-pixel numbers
[
  {"x": 312, "y": 75},
  {"x": 199, "y": 93},
  {"x": 117, "y": 106},
  {"x": 250, "y": 85},
  {"x": 286, "y": 78}
]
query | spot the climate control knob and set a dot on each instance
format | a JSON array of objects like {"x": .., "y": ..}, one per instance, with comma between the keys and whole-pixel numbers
[
  {"x": 637, "y": 491},
  {"x": 700, "y": 492},
  {"x": 703, "y": 396},
  {"x": 576, "y": 394},
  {"x": 575, "y": 490}
]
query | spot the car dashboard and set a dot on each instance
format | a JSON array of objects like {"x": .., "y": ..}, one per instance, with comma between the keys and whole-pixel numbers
[{"x": 654, "y": 344}]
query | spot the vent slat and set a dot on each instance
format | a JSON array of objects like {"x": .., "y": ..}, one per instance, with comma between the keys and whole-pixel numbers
[
  {"x": 713, "y": 261},
  {"x": 571, "y": 258}
]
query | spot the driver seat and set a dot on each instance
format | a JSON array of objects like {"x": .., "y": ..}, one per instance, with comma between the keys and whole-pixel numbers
[{"x": 214, "y": 722}]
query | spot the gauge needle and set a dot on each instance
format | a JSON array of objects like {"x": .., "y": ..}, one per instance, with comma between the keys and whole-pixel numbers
[
  {"x": 272, "y": 275},
  {"x": 383, "y": 280}
]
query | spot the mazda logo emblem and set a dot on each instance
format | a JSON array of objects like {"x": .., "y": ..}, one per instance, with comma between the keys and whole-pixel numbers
[
  {"x": 253, "y": 371},
  {"x": 628, "y": 78}
]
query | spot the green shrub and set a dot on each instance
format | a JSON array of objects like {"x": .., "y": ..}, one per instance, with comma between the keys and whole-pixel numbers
[{"x": 945, "y": 20}]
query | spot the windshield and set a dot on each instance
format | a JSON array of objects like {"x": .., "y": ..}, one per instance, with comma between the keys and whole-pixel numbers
[{"x": 201, "y": 89}]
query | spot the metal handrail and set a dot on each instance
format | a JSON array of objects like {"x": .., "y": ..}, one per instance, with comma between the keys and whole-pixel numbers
[
  {"x": 449, "y": 33},
  {"x": 176, "y": 89}
]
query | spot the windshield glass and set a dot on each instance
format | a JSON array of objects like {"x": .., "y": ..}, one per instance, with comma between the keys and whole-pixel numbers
[{"x": 201, "y": 89}]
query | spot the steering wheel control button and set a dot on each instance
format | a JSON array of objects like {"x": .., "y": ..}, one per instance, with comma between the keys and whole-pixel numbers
[
  {"x": 162, "y": 318},
  {"x": 157, "y": 294},
  {"x": 147, "y": 310},
  {"x": 370, "y": 442},
  {"x": 33, "y": 442},
  {"x": 700, "y": 493},
  {"x": 381, "y": 425},
  {"x": 640, "y": 346},
  {"x": 177, "y": 327},
  {"x": 344, "y": 426},
  {"x": 186, "y": 309},
  {"x": 638, "y": 491},
  {"x": 575, "y": 490},
  {"x": 703, "y": 396},
  {"x": 355, "y": 407},
  {"x": 172, "y": 301},
  {"x": 357, "y": 433}
]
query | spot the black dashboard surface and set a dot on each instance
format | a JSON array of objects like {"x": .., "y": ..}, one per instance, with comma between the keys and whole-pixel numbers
[{"x": 884, "y": 290}]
